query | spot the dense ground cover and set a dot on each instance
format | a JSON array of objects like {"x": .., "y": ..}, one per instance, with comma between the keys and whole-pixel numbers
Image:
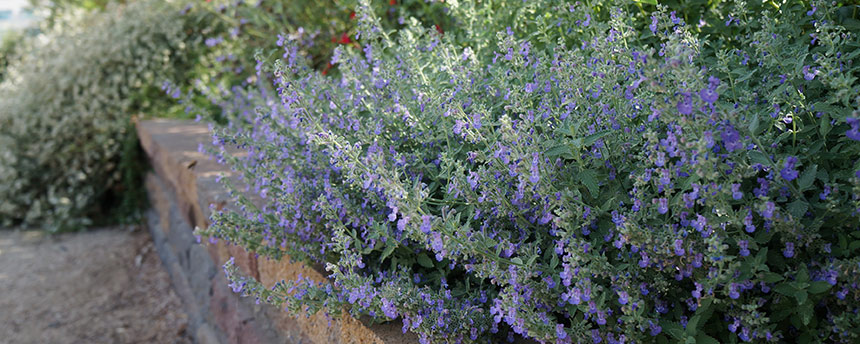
[{"x": 607, "y": 171}]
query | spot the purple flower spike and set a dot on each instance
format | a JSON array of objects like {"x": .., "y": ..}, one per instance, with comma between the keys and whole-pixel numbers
[
  {"x": 788, "y": 172},
  {"x": 731, "y": 139},
  {"x": 788, "y": 251},
  {"x": 769, "y": 208},
  {"x": 744, "y": 248},
  {"x": 560, "y": 332},
  {"x": 662, "y": 205},
  {"x": 685, "y": 106}
]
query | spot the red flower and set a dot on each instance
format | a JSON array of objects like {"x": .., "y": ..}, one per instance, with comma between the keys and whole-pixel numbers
[
  {"x": 344, "y": 39},
  {"x": 439, "y": 29},
  {"x": 325, "y": 71},
  {"x": 352, "y": 15},
  {"x": 392, "y": 2}
]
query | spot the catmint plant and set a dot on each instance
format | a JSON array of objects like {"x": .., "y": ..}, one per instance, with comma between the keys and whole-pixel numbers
[{"x": 600, "y": 174}]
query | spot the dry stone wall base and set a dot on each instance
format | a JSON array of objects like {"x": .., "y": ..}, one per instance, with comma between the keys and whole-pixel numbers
[{"x": 181, "y": 191}]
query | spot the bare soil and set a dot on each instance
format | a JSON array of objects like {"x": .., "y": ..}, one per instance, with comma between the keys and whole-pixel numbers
[{"x": 101, "y": 286}]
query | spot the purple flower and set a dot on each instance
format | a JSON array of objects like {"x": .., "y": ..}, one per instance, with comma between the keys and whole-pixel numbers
[
  {"x": 736, "y": 193},
  {"x": 769, "y": 208},
  {"x": 653, "y": 25},
  {"x": 731, "y": 138},
  {"x": 733, "y": 291},
  {"x": 748, "y": 225},
  {"x": 698, "y": 292},
  {"x": 401, "y": 224},
  {"x": 560, "y": 332},
  {"x": 530, "y": 87},
  {"x": 826, "y": 192},
  {"x": 709, "y": 95},
  {"x": 788, "y": 251},
  {"x": 436, "y": 242},
  {"x": 388, "y": 308},
  {"x": 713, "y": 82},
  {"x": 679, "y": 248},
  {"x": 685, "y": 105},
  {"x": 809, "y": 75},
  {"x": 744, "y": 248},
  {"x": 622, "y": 297},
  {"x": 535, "y": 172},
  {"x": 655, "y": 329},
  {"x": 788, "y": 172},
  {"x": 425, "y": 223},
  {"x": 734, "y": 326},
  {"x": 662, "y": 205},
  {"x": 854, "y": 132},
  {"x": 731, "y": 19}
]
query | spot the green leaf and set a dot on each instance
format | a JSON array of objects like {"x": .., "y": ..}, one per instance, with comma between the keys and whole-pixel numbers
[
  {"x": 770, "y": 277},
  {"x": 825, "y": 126},
  {"x": 755, "y": 126},
  {"x": 801, "y": 297},
  {"x": 785, "y": 289},
  {"x": 702, "y": 338},
  {"x": 797, "y": 209},
  {"x": 649, "y": 2},
  {"x": 558, "y": 151},
  {"x": 693, "y": 324},
  {"x": 673, "y": 329},
  {"x": 387, "y": 252},
  {"x": 818, "y": 287},
  {"x": 590, "y": 139},
  {"x": 589, "y": 179},
  {"x": 805, "y": 311},
  {"x": 807, "y": 178},
  {"x": 759, "y": 158},
  {"x": 424, "y": 260},
  {"x": 517, "y": 261}
]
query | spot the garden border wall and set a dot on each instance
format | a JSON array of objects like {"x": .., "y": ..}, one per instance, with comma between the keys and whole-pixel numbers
[{"x": 181, "y": 191}]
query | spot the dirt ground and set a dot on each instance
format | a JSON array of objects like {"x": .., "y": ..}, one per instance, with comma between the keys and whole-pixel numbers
[{"x": 101, "y": 286}]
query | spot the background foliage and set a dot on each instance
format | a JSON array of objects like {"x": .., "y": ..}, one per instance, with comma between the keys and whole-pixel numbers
[{"x": 67, "y": 105}]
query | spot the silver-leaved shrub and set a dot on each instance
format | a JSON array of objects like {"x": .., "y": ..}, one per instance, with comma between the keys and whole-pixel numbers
[
  {"x": 66, "y": 105},
  {"x": 596, "y": 173}
]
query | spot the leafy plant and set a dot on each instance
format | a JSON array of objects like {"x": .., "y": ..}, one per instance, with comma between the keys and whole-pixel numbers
[
  {"x": 598, "y": 172},
  {"x": 66, "y": 106}
]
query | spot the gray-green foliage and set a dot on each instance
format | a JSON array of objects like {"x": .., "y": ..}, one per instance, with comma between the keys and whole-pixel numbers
[{"x": 65, "y": 107}]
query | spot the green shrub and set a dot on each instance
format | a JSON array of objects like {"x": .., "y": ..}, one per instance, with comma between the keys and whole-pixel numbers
[
  {"x": 597, "y": 173},
  {"x": 10, "y": 44},
  {"x": 66, "y": 105}
]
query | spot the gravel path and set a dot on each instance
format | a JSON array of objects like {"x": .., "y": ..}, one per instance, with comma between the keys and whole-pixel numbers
[{"x": 102, "y": 286}]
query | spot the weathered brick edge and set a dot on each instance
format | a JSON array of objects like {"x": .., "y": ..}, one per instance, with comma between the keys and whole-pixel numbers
[{"x": 181, "y": 191}]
